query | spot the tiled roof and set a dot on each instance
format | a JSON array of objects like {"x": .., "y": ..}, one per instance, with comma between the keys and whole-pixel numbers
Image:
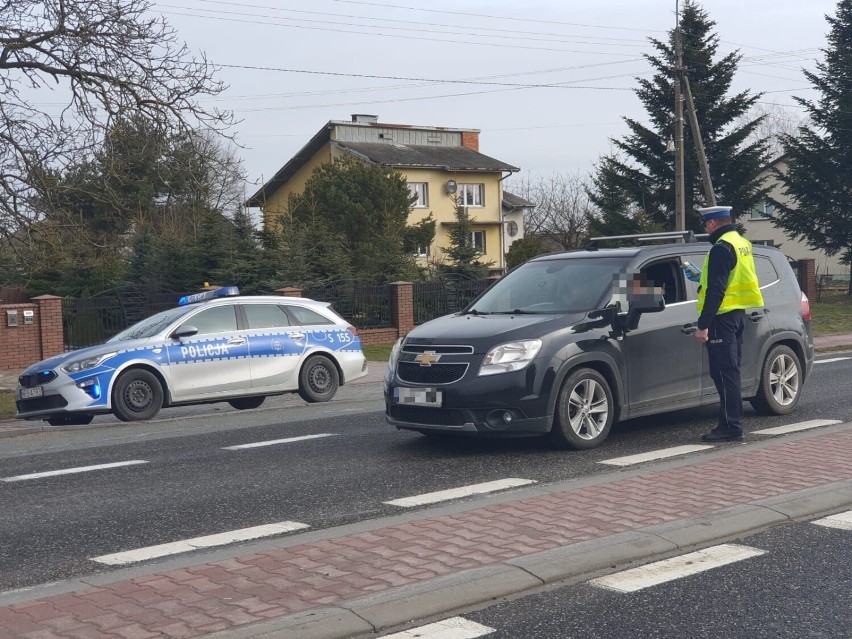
[
  {"x": 512, "y": 201},
  {"x": 449, "y": 158}
]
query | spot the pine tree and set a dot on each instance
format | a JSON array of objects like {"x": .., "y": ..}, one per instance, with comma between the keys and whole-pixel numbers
[
  {"x": 640, "y": 176},
  {"x": 819, "y": 157},
  {"x": 462, "y": 255}
]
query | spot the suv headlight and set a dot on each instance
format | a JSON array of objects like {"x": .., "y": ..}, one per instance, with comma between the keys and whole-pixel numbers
[
  {"x": 513, "y": 356},
  {"x": 77, "y": 365},
  {"x": 394, "y": 354}
]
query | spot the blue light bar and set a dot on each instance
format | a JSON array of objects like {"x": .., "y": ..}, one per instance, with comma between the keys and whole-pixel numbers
[{"x": 225, "y": 291}]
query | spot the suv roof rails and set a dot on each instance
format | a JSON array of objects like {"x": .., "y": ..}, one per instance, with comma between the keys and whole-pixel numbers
[{"x": 684, "y": 236}]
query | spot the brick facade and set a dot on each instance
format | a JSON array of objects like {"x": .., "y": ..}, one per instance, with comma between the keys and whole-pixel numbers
[
  {"x": 806, "y": 273},
  {"x": 470, "y": 140},
  {"x": 26, "y": 344}
]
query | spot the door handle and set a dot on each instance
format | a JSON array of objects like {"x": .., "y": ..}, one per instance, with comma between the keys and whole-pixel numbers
[
  {"x": 689, "y": 329},
  {"x": 756, "y": 316},
  {"x": 236, "y": 341}
]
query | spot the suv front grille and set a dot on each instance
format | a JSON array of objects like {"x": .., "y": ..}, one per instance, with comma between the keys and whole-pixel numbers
[
  {"x": 426, "y": 415},
  {"x": 434, "y": 374}
]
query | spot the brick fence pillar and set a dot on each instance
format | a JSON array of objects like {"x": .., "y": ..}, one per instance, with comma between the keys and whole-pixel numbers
[
  {"x": 807, "y": 278},
  {"x": 402, "y": 306},
  {"x": 289, "y": 291},
  {"x": 50, "y": 325}
]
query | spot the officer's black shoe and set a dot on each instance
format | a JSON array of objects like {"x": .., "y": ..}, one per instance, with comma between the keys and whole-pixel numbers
[{"x": 717, "y": 435}]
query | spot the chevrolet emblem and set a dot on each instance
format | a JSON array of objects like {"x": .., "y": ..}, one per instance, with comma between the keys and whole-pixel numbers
[{"x": 427, "y": 358}]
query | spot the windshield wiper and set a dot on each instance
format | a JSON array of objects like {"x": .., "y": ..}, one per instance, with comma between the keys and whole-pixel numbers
[
  {"x": 473, "y": 311},
  {"x": 517, "y": 311}
]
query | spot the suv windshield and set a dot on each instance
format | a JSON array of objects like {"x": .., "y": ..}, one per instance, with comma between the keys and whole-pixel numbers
[
  {"x": 152, "y": 325},
  {"x": 551, "y": 286}
]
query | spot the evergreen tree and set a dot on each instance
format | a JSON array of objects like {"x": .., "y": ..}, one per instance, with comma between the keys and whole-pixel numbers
[
  {"x": 358, "y": 209},
  {"x": 819, "y": 157},
  {"x": 642, "y": 172},
  {"x": 524, "y": 249},
  {"x": 462, "y": 256}
]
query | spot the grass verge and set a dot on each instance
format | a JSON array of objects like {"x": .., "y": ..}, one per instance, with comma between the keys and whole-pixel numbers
[{"x": 7, "y": 405}]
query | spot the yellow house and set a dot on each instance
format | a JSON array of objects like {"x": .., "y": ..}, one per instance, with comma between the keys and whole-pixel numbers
[{"x": 439, "y": 164}]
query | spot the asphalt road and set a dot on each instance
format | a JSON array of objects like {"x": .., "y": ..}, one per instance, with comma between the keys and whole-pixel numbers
[
  {"x": 189, "y": 484},
  {"x": 801, "y": 586}
]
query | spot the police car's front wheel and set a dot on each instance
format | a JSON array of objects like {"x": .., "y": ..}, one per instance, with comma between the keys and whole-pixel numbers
[
  {"x": 318, "y": 379},
  {"x": 584, "y": 411},
  {"x": 137, "y": 395}
]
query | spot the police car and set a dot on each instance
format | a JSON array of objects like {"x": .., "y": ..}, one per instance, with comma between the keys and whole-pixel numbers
[{"x": 214, "y": 346}]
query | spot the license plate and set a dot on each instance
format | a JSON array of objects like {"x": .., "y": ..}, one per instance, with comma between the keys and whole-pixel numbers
[
  {"x": 29, "y": 393},
  {"x": 418, "y": 396}
]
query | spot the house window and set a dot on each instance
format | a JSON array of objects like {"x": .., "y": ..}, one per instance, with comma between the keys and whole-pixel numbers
[
  {"x": 422, "y": 250},
  {"x": 471, "y": 194},
  {"x": 512, "y": 228},
  {"x": 420, "y": 191},
  {"x": 477, "y": 238},
  {"x": 762, "y": 211}
]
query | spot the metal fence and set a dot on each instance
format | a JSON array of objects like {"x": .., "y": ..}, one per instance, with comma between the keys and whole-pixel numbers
[
  {"x": 363, "y": 306},
  {"x": 92, "y": 320}
]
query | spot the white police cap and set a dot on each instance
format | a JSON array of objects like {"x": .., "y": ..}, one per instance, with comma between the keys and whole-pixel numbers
[{"x": 712, "y": 212}]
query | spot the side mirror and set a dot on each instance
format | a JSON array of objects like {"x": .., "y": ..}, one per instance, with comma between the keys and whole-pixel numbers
[
  {"x": 184, "y": 331},
  {"x": 645, "y": 303}
]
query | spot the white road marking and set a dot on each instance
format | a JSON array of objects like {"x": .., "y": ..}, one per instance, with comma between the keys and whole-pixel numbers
[
  {"x": 843, "y": 521},
  {"x": 453, "y": 628},
  {"x": 669, "y": 569},
  {"x": 455, "y": 493},
  {"x": 272, "y": 442},
  {"x": 71, "y": 471},
  {"x": 792, "y": 428},
  {"x": 654, "y": 454},
  {"x": 832, "y": 359},
  {"x": 208, "y": 541}
]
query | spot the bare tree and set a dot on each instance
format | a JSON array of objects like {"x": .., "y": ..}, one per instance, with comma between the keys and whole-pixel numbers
[
  {"x": 775, "y": 122},
  {"x": 561, "y": 207},
  {"x": 70, "y": 69}
]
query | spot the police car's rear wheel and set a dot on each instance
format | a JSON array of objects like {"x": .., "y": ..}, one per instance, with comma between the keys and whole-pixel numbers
[
  {"x": 246, "y": 403},
  {"x": 780, "y": 382},
  {"x": 584, "y": 411},
  {"x": 318, "y": 379},
  {"x": 137, "y": 395}
]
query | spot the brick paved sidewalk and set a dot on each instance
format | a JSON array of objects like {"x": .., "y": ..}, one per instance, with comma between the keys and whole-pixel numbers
[{"x": 325, "y": 569}]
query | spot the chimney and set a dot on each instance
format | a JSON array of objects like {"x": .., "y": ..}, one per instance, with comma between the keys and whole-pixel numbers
[
  {"x": 363, "y": 117},
  {"x": 470, "y": 140}
]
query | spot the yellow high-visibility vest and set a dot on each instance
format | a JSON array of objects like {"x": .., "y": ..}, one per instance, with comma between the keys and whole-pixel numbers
[{"x": 743, "y": 288}]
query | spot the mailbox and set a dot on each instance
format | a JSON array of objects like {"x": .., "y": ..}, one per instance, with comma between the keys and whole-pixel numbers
[
  {"x": 29, "y": 316},
  {"x": 11, "y": 318}
]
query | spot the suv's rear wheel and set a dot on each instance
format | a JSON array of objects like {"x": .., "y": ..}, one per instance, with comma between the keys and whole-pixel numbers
[
  {"x": 780, "y": 382},
  {"x": 584, "y": 411}
]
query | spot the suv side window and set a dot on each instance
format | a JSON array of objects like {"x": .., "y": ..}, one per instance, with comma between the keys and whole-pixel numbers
[
  {"x": 219, "y": 319},
  {"x": 766, "y": 273},
  {"x": 265, "y": 316},
  {"x": 668, "y": 276}
]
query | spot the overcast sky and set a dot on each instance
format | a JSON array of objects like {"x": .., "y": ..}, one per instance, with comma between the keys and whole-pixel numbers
[{"x": 293, "y": 66}]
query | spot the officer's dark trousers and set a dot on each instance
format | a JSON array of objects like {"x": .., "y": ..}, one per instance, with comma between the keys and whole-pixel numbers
[{"x": 724, "y": 350}]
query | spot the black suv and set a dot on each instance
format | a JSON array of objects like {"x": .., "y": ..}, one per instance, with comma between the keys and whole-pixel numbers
[{"x": 557, "y": 347}]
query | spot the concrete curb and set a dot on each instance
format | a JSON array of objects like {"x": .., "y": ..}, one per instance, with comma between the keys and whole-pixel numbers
[{"x": 473, "y": 587}]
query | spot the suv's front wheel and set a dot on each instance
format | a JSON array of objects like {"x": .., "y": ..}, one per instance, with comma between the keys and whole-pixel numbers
[
  {"x": 780, "y": 382},
  {"x": 584, "y": 411}
]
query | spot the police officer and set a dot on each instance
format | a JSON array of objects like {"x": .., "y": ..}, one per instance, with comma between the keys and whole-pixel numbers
[{"x": 728, "y": 285}]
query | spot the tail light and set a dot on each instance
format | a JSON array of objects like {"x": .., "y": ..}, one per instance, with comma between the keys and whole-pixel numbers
[
  {"x": 352, "y": 330},
  {"x": 806, "y": 308}
]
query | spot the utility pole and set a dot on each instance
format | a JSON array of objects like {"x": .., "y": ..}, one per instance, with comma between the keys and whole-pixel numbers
[
  {"x": 680, "y": 198},
  {"x": 709, "y": 195}
]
